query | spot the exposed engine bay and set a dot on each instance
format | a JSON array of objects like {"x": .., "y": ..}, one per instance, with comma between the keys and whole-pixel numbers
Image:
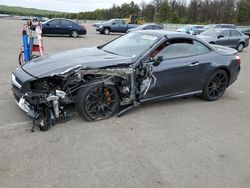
[{"x": 49, "y": 99}]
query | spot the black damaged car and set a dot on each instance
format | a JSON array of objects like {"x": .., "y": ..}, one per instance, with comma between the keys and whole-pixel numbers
[{"x": 138, "y": 67}]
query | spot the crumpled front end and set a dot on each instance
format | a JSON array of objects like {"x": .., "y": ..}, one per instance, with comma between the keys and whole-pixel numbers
[{"x": 47, "y": 100}]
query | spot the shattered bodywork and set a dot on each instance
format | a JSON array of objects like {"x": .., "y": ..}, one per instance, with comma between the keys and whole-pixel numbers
[{"x": 48, "y": 92}]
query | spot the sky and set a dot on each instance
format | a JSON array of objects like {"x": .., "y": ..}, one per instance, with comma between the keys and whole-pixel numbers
[{"x": 66, "y": 5}]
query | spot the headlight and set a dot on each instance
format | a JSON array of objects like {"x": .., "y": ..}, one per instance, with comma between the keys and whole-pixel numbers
[
  {"x": 101, "y": 26},
  {"x": 13, "y": 79}
]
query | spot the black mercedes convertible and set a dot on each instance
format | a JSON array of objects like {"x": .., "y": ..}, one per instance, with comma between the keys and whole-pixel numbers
[{"x": 137, "y": 67}]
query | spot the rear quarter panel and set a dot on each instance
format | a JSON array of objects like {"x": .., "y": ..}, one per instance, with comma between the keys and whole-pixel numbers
[{"x": 214, "y": 61}]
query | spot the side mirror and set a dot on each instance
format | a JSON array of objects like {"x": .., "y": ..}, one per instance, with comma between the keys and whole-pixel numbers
[
  {"x": 47, "y": 24},
  {"x": 158, "y": 61},
  {"x": 220, "y": 36},
  {"x": 113, "y": 23}
]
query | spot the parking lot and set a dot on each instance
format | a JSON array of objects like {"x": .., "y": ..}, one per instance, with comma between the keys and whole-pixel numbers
[{"x": 179, "y": 143}]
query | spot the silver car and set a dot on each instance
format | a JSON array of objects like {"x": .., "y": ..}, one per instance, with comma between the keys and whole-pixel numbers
[{"x": 226, "y": 37}]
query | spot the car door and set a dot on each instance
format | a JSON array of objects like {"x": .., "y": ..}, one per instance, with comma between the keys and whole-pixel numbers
[
  {"x": 234, "y": 38},
  {"x": 223, "y": 38},
  {"x": 181, "y": 69},
  {"x": 116, "y": 26},
  {"x": 123, "y": 27},
  {"x": 66, "y": 27},
  {"x": 52, "y": 27}
]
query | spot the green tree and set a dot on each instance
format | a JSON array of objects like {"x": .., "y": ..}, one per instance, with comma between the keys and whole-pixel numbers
[
  {"x": 163, "y": 11},
  {"x": 243, "y": 11}
]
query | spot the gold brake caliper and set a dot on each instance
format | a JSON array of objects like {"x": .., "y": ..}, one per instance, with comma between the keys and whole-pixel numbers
[{"x": 108, "y": 96}]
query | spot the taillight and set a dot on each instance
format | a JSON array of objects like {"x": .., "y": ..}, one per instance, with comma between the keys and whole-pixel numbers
[{"x": 238, "y": 60}]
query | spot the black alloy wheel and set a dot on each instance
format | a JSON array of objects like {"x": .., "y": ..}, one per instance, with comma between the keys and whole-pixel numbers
[
  {"x": 97, "y": 102},
  {"x": 215, "y": 86}
]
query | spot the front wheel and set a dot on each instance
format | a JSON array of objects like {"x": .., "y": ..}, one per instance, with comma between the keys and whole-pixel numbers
[
  {"x": 21, "y": 58},
  {"x": 74, "y": 34},
  {"x": 215, "y": 85},
  {"x": 106, "y": 31},
  {"x": 46, "y": 120},
  {"x": 97, "y": 101}
]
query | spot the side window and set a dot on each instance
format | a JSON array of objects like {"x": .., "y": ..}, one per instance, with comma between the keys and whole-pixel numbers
[
  {"x": 199, "y": 48},
  {"x": 66, "y": 23},
  {"x": 235, "y": 33},
  {"x": 225, "y": 34},
  {"x": 117, "y": 22},
  {"x": 123, "y": 22},
  {"x": 158, "y": 27},
  {"x": 149, "y": 27},
  {"x": 54, "y": 22},
  {"x": 179, "y": 48}
]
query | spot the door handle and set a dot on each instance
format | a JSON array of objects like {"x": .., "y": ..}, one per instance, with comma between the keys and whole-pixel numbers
[
  {"x": 194, "y": 64},
  {"x": 57, "y": 26}
]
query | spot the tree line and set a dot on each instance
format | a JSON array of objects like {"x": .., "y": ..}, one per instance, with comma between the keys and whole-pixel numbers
[
  {"x": 177, "y": 11},
  {"x": 170, "y": 11}
]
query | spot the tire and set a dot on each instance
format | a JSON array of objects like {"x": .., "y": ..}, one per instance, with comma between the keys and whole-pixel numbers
[
  {"x": 240, "y": 47},
  {"x": 215, "y": 86},
  {"x": 106, "y": 31},
  {"x": 97, "y": 102},
  {"x": 21, "y": 58},
  {"x": 74, "y": 33},
  {"x": 46, "y": 121}
]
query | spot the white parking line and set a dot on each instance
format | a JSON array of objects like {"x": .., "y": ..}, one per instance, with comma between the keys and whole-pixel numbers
[
  {"x": 13, "y": 125},
  {"x": 5, "y": 100}
]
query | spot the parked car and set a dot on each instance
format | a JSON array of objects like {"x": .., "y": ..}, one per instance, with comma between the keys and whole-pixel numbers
[
  {"x": 61, "y": 26},
  {"x": 225, "y": 26},
  {"x": 26, "y": 18},
  {"x": 226, "y": 37},
  {"x": 97, "y": 23},
  {"x": 138, "y": 67},
  {"x": 40, "y": 18},
  {"x": 192, "y": 29},
  {"x": 114, "y": 25},
  {"x": 246, "y": 31},
  {"x": 148, "y": 26}
]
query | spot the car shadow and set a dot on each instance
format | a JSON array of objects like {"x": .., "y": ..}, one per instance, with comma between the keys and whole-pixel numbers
[
  {"x": 111, "y": 34},
  {"x": 63, "y": 36}
]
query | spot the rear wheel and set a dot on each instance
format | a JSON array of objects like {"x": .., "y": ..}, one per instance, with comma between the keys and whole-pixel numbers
[
  {"x": 240, "y": 47},
  {"x": 74, "y": 33},
  {"x": 215, "y": 86},
  {"x": 97, "y": 102}
]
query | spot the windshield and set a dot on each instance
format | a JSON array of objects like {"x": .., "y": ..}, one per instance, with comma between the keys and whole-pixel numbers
[
  {"x": 198, "y": 27},
  {"x": 211, "y": 32},
  {"x": 185, "y": 27},
  {"x": 209, "y": 26},
  {"x": 131, "y": 45},
  {"x": 110, "y": 21}
]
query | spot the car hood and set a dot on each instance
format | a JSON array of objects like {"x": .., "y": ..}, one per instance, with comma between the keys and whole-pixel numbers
[
  {"x": 86, "y": 58},
  {"x": 133, "y": 29}
]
